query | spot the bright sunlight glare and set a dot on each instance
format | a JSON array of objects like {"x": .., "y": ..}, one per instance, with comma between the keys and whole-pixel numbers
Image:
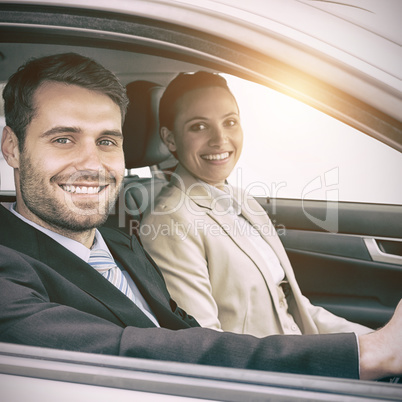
[{"x": 292, "y": 150}]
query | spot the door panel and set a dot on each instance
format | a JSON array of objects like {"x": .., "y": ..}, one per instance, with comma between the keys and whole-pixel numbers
[{"x": 337, "y": 270}]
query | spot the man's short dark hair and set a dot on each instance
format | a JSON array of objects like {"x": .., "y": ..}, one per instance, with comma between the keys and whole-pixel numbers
[
  {"x": 180, "y": 85},
  {"x": 68, "y": 68}
]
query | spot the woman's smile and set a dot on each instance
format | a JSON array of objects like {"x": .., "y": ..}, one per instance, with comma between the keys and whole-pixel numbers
[
  {"x": 216, "y": 157},
  {"x": 207, "y": 136}
]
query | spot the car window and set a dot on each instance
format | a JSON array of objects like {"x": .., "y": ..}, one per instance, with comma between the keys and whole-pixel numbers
[
  {"x": 292, "y": 150},
  {"x": 6, "y": 176},
  {"x": 141, "y": 172},
  {"x": 6, "y": 172}
]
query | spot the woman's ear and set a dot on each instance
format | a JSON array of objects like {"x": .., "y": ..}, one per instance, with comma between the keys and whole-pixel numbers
[
  {"x": 168, "y": 138},
  {"x": 9, "y": 147}
]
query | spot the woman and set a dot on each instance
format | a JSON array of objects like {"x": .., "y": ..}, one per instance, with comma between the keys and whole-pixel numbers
[{"x": 220, "y": 255}]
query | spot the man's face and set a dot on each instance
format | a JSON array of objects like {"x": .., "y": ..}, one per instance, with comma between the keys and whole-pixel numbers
[{"x": 72, "y": 164}]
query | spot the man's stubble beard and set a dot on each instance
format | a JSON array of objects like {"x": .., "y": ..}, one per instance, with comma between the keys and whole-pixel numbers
[{"x": 62, "y": 217}]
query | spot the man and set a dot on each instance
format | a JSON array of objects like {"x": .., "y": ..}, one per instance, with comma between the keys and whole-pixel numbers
[{"x": 63, "y": 138}]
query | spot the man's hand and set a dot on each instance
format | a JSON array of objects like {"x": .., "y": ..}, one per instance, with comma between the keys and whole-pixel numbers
[{"x": 381, "y": 351}]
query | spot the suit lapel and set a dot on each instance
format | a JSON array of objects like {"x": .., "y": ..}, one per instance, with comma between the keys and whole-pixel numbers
[
  {"x": 253, "y": 212},
  {"x": 241, "y": 238},
  {"x": 238, "y": 233},
  {"x": 146, "y": 276},
  {"x": 261, "y": 220},
  {"x": 24, "y": 238},
  {"x": 250, "y": 209},
  {"x": 135, "y": 262},
  {"x": 90, "y": 281},
  {"x": 256, "y": 216},
  {"x": 193, "y": 188},
  {"x": 267, "y": 231}
]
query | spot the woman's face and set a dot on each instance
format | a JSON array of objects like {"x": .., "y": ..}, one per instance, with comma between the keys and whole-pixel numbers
[{"x": 207, "y": 136}]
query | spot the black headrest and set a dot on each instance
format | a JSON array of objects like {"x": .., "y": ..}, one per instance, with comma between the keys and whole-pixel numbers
[{"x": 142, "y": 143}]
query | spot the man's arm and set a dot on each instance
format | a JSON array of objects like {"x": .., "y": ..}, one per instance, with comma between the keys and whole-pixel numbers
[
  {"x": 381, "y": 351},
  {"x": 31, "y": 315}
]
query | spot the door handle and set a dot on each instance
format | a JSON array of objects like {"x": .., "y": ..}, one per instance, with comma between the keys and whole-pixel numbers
[{"x": 380, "y": 256}]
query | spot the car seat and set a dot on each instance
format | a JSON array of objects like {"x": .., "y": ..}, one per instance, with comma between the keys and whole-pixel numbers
[{"x": 142, "y": 147}]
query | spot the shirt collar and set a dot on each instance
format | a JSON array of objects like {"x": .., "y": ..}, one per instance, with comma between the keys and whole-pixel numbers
[
  {"x": 74, "y": 246},
  {"x": 224, "y": 200}
]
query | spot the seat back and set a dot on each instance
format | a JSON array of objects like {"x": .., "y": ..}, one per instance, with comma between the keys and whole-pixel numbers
[
  {"x": 142, "y": 147},
  {"x": 142, "y": 143}
]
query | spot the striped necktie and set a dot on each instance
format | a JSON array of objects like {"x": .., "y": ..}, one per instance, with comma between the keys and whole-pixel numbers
[{"x": 103, "y": 262}]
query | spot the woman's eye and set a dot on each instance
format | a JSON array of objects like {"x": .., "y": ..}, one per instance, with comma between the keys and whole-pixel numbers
[
  {"x": 198, "y": 127},
  {"x": 231, "y": 123}
]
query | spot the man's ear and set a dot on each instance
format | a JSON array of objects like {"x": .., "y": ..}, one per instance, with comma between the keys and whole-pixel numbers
[
  {"x": 9, "y": 147},
  {"x": 168, "y": 138}
]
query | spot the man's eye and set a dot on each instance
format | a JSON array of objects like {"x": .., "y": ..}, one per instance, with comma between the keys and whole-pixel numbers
[
  {"x": 62, "y": 140},
  {"x": 106, "y": 143}
]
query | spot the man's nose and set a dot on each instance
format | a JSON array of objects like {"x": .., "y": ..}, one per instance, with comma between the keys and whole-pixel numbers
[{"x": 89, "y": 157}]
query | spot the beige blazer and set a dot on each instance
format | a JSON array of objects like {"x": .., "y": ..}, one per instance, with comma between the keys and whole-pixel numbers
[{"x": 213, "y": 273}]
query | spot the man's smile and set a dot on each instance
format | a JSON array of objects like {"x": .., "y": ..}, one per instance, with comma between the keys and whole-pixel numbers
[{"x": 82, "y": 189}]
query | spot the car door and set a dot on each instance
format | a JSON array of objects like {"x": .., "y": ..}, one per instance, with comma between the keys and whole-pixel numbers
[{"x": 356, "y": 272}]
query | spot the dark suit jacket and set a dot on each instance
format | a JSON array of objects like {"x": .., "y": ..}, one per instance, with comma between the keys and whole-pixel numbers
[{"x": 51, "y": 298}]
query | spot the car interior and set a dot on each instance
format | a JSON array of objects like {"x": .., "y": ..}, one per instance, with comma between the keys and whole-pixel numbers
[
  {"x": 354, "y": 271},
  {"x": 307, "y": 250},
  {"x": 334, "y": 270}
]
